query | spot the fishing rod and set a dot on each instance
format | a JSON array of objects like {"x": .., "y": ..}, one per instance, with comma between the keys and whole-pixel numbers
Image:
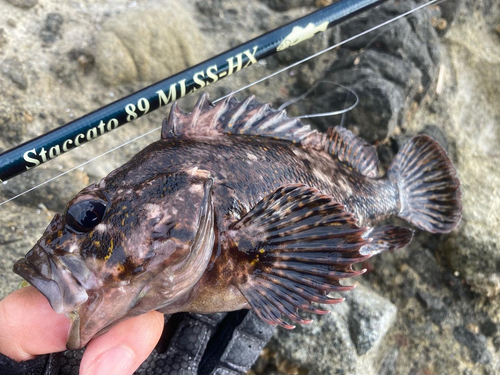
[{"x": 103, "y": 120}]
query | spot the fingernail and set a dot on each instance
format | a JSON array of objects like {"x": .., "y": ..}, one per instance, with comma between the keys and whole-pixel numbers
[{"x": 117, "y": 361}]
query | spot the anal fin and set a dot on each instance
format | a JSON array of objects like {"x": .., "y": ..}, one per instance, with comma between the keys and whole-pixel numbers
[
  {"x": 293, "y": 248},
  {"x": 385, "y": 238}
]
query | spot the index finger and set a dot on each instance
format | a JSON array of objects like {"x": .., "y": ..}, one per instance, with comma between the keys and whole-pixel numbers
[{"x": 29, "y": 326}]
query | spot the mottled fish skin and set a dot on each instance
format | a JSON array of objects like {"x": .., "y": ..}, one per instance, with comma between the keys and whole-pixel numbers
[
  {"x": 237, "y": 206},
  {"x": 247, "y": 168}
]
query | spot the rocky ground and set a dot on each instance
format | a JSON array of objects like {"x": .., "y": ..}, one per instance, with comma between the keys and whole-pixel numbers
[{"x": 432, "y": 308}]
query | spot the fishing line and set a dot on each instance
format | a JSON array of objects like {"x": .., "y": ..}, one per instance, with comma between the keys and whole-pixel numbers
[
  {"x": 323, "y": 114},
  {"x": 79, "y": 166},
  {"x": 403, "y": 15},
  {"x": 331, "y": 47}
]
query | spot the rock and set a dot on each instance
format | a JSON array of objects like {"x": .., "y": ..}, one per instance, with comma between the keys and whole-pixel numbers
[
  {"x": 476, "y": 343},
  {"x": 11, "y": 114},
  {"x": 54, "y": 196},
  {"x": 222, "y": 15},
  {"x": 283, "y": 5},
  {"x": 436, "y": 309},
  {"x": 412, "y": 39},
  {"x": 113, "y": 60},
  {"x": 84, "y": 58},
  {"x": 388, "y": 73},
  {"x": 471, "y": 77},
  {"x": 388, "y": 365},
  {"x": 437, "y": 134},
  {"x": 489, "y": 328},
  {"x": 149, "y": 48},
  {"x": 14, "y": 69},
  {"x": 352, "y": 329},
  {"x": 3, "y": 39},
  {"x": 306, "y": 347},
  {"x": 25, "y": 4},
  {"x": 52, "y": 28},
  {"x": 429, "y": 301},
  {"x": 16, "y": 239},
  {"x": 370, "y": 318}
]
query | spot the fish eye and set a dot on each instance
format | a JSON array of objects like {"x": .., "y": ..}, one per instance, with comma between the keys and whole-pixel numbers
[{"x": 85, "y": 215}]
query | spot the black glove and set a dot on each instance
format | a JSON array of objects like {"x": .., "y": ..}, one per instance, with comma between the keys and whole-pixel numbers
[{"x": 191, "y": 344}]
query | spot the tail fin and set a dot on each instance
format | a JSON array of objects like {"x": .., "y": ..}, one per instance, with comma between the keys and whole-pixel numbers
[{"x": 429, "y": 189}]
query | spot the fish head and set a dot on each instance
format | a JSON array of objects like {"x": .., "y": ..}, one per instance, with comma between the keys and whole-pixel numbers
[{"x": 121, "y": 253}]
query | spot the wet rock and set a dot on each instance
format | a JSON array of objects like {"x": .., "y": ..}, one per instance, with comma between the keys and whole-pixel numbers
[
  {"x": 25, "y": 4},
  {"x": 496, "y": 343},
  {"x": 13, "y": 68},
  {"x": 370, "y": 318},
  {"x": 52, "y": 28},
  {"x": 475, "y": 343},
  {"x": 146, "y": 46},
  {"x": 448, "y": 10}
]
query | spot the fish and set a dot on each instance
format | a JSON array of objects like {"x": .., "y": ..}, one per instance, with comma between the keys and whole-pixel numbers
[{"x": 237, "y": 206}]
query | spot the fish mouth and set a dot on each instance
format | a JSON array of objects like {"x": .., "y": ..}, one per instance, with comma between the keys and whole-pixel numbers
[
  {"x": 73, "y": 290},
  {"x": 53, "y": 279}
]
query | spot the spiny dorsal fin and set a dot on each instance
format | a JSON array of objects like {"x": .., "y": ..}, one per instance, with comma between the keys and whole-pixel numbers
[
  {"x": 231, "y": 116},
  {"x": 347, "y": 148},
  {"x": 299, "y": 244}
]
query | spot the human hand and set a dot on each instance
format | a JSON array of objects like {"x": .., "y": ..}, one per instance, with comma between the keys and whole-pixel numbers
[{"x": 29, "y": 327}]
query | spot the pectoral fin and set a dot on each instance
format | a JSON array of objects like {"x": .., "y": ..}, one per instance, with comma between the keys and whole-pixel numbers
[{"x": 297, "y": 245}]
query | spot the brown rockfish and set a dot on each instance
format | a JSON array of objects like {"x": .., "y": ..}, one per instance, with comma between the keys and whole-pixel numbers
[{"x": 237, "y": 206}]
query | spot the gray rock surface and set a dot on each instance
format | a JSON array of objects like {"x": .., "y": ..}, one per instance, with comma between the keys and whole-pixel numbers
[
  {"x": 26, "y": 4},
  {"x": 389, "y": 71},
  {"x": 14, "y": 70},
  {"x": 51, "y": 31},
  {"x": 132, "y": 45},
  {"x": 339, "y": 342},
  {"x": 3, "y": 38},
  {"x": 370, "y": 317},
  {"x": 471, "y": 78}
]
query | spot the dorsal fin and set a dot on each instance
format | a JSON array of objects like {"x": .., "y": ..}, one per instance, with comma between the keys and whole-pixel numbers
[
  {"x": 347, "y": 148},
  {"x": 250, "y": 117},
  {"x": 231, "y": 116}
]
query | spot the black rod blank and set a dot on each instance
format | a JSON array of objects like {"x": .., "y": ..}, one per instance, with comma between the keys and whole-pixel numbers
[{"x": 103, "y": 120}]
